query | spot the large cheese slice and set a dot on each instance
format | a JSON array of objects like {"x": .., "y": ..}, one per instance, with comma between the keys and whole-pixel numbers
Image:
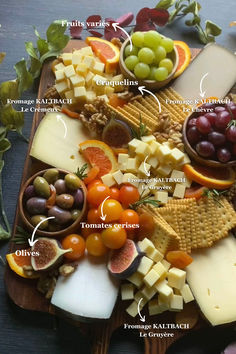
[
  {"x": 90, "y": 292},
  {"x": 212, "y": 278},
  {"x": 56, "y": 141},
  {"x": 220, "y": 66}
]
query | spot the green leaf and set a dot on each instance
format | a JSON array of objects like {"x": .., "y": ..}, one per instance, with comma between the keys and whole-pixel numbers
[
  {"x": 51, "y": 53},
  {"x": 3, "y": 132},
  {"x": 212, "y": 29},
  {"x": 2, "y": 56},
  {"x": 24, "y": 76},
  {"x": 31, "y": 50},
  {"x": 9, "y": 90},
  {"x": 195, "y": 21},
  {"x": 193, "y": 7},
  {"x": 4, "y": 145},
  {"x": 55, "y": 36},
  {"x": 165, "y": 4},
  {"x": 42, "y": 46},
  {"x": 35, "y": 67},
  {"x": 11, "y": 118},
  {"x": 4, "y": 235},
  {"x": 174, "y": 13},
  {"x": 1, "y": 165}
]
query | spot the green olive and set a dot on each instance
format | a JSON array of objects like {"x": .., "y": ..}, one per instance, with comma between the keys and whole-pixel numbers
[
  {"x": 72, "y": 181},
  {"x": 51, "y": 175},
  {"x": 37, "y": 218},
  {"x": 41, "y": 187},
  {"x": 75, "y": 214},
  {"x": 52, "y": 227},
  {"x": 65, "y": 201}
]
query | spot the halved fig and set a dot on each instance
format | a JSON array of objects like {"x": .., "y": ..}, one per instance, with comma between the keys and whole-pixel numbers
[{"x": 116, "y": 133}]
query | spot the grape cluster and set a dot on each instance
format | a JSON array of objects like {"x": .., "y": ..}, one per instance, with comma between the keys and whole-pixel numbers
[
  {"x": 213, "y": 135},
  {"x": 148, "y": 58}
]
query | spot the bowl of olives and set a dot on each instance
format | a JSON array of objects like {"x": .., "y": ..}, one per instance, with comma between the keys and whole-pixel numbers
[{"x": 56, "y": 194}]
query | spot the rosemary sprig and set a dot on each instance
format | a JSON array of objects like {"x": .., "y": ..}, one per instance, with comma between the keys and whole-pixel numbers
[
  {"x": 21, "y": 237},
  {"x": 214, "y": 194},
  {"x": 143, "y": 201},
  {"x": 81, "y": 171},
  {"x": 142, "y": 130}
]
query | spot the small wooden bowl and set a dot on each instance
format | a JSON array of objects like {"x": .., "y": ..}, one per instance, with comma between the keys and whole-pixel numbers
[
  {"x": 194, "y": 155},
  {"x": 149, "y": 84},
  {"x": 56, "y": 234}
]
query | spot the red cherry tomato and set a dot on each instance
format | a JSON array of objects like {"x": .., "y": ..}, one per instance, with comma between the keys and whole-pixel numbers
[
  {"x": 93, "y": 216},
  {"x": 95, "y": 182},
  {"x": 115, "y": 193},
  {"x": 128, "y": 195}
]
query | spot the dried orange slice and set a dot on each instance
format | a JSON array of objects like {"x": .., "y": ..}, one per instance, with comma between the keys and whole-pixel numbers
[
  {"x": 184, "y": 57},
  {"x": 210, "y": 177},
  {"x": 107, "y": 52},
  {"x": 99, "y": 154},
  {"x": 16, "y": 263}
]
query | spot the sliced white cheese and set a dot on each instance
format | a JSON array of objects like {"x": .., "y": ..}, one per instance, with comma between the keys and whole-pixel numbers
[
  {"x": 56, "y": 141},
  {"x": 88, "y": 292},
  {"x": 212, "y": 279}
]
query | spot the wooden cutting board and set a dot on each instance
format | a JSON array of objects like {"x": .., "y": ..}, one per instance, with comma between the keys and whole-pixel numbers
[{"x": 23, "y": 292}]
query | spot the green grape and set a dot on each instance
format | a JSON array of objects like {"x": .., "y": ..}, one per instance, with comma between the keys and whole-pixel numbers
[
  {"x": 152, "y": 39},
  {"x": 153, "y": 70},
  {"x": 137, "y": 39},
  {"x": 131, "y": 61},
  {"x": 128, "y": 52},
  {"x": 146, "y": 55},
  {"x": 168, "y": 44},
  {"x": 166, "y": 63},
  {"x": 161, "y": 74},
  {"x": 141, "y": 70},
  {"x": 160, "y": 53}
]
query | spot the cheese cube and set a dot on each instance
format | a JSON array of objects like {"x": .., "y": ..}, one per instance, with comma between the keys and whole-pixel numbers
[
  {"x": 148, "y": 293},
  {"x": 186, "y": 293},
  {"x": 76, "y": 58},
  {"x": 187, "y": 183},
  {"x": 142, "y": 149},
  {"x": 177, "y": 174},
  {"x": 82, "y": 69},
  {"x": 109, "y": 90},
  {"x": 144, "y": 168},
  {"x": 176, "y": 278},
  {"x": 61, "y": 87},
  {"x": 153, "y": 161},
  {"x": 60, "y": 66},
  {"x": 165, "y": 290},
  {"x": 132, "y": 310},
  {"x": 89, "y": 78},
  {"x": 161, "y": 196},
  {"x": 163, "y": 153},
  {"x": 179, "y": 191},
  {"x": 60, "y": 75},
  {"x": 118, "y": 176},
  {"x": 67, "y": 58},
  {"x": 123, "y": 158},
  {"x": 146, "y": 245},
  {"x": 70, "y": 96},
  {"x": 88, "y": 61},
  {"x": 148, "y": 138},
  {"x": 164, "y": 302},
  {"x": 176, "y": 156},
  {"x": 154, "y": 147},
  {"x": 86, "y": 51},
  {"x": 80, "y": 93},
  {"x": 160, "y": 269},
  {"x": 108, "y": 180},
  {"x": 185, "y": 160},
  {"x": 127, "y": 291},
  {"x": 154, "y": 308},
  {"x": 166, "y": 264},
  {"x": 151, "y": 278},
  {"x": 77, "y": 80},
  {"x": 164, "y": 170},
  {"x": 98, "y": 83},
  {"x": 133, "y": 144},
  {"x": 145, "y": 265},
  {"x": 132, "y": 164},
  {"x": 144, "y": 191},
  {"x": 136, "y": 279},
  {"x": 117, "y": 82},
  {"x": 98, "y": 68},
  {"x": 155, "y": 255},
  {"x": 69, "y": 71},
  {"x": 176, "y": 303},
  {"x": 104, "y": 97},
  {"x": 131, "y": 179},
  {"x": 91, "y": 95},
  {"x": 139, "y": 296}
]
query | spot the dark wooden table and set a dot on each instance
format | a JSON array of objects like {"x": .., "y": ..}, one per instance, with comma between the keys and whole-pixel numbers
[{"x": 26, "y": 332}]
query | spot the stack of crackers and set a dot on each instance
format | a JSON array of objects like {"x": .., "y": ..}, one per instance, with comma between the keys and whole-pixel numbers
[
  {"x": 147, "y": 107},
  {"x": 187, "y": 224}
]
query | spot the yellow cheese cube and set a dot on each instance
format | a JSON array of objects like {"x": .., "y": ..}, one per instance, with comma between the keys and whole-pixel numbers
[
  {"x": 133, "y": 144},
  {"x": 104, "y": 97},
  {"x": 179, "y": 191},
  {"x": 86, "y": 51},
  {"x": 88, "y": 61},
  {"x": 69, "y": 71},
  {"x": 176, "y": 278},
  {"x": 82, "y": 69},
  {"x": 109, "y": 90},
  {"x": 162, "y": 197},
  {"x": 127, "y": 291},
  {"x": 163, "y": 153},
  {"x": 132, "y": 164},
  {"x": 176, "y": 156},
  {"x": 131, "y": 179},
  {"x": 154, "y": 146},
  {"x": 98, "y": 83},
  {"x": 138, "y": 296},
  {"x": 144, "y": 168},
  {"x": 166, "y": 264},
  {"x": 148, "y": 138},
  {"x": 151, "y": 278},
  {"x": 123, "y": 158},
  {"x": 98, "y": 68},
  {"x": 108, "y": 180},
  {"x": 142, "y": 149},
  {"x": 154, "y": 308},
  {"x": 187, "y": 182},
  {"x": 176, "y": 303},
  {"x": 155, "y": 255},
  {"x": 80, "y": 93},
  {"x": 77, "y": 80},
  {"x": 117, "y": 82},
  {"x": 136, "y": 279},
  {"x": 61, "y": 87},
  {"x": 153, "y": 161},
  {"x": 160, "y": 269},
  {"x": 163, "y": 302},
  {"x": 165, "y": 290},
  {"x": 91, "y": 95},
  {"x": 185, "y": 160},
  {"x": 145, "y": 265},
  {"x": 60, "y": 75},
  {"x": 177, "y": 175},
  {"x": 132, "y": 310},
  {"x": 89, "y": 78},
  {"x": 146, "y": 245},
  {"x": 186, "y": 293},
  {"x": 76, "y": 59},
  {"x": 118, "y": 176},
  {"x": 67, "y": 58},
  {"x": 70, "y": 96},
  {"x": 60, "y": 66},
  {"x": 164, "y": 170},
  {"x": 148, "y": 293}
]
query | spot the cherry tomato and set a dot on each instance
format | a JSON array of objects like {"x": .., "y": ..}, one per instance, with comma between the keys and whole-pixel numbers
[
  {"x": 86, "y": 231},
  {"x": 77, "y": 243},
  {"x": 95, "y": 182},
  {"x": 97, "y": 194},
  {"x": 130, "y": 217},
  {"x": 91, "y": 175},
  {"x": 95, "y": 245},
  {"x": 93, "y": 216},
  {"x": 128, "y": 195},
  {"x": 115, "y": 193},
  {"x": 146, "y": 226},
  {"x": 131, "y": 234},
  {"x": 111, "y": 208},
  {"x": 114, "y": 237}
]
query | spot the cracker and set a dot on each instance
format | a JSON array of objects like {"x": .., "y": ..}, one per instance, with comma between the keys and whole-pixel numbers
[
  {"x": 137, "y": 114},
  {"x": 137, "y": 105}
]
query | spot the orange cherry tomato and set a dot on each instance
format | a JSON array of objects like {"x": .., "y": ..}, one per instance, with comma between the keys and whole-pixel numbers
[
  {"x": 91, "y": 175},
  {"x": 128, "y": 195},
  {"x": 86, "y": 231},
  {"x": 95, "y": 182},
  {"x": 95, "y": 245},
  {"x": 179, "y": 259},
  {"x": 93, "y": 216},
  {"x": 77, "y": 243},
  {"x": 146, "y": 226},
  {"x": 195, "y": 192},
  {"x": 130, "y": 217},
  {"x": 111, "y": 208},
  {"x": 114, "y": 237},
  {"x": 97, "y": 194},
  {"x": 115, "y": 193}
]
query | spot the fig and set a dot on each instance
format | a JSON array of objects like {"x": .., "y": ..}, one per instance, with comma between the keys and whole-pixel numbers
[
  {"x": 124, "y": 262},
  {"x": 117, "y": 133},
  {"x": 48, "y": 253}
]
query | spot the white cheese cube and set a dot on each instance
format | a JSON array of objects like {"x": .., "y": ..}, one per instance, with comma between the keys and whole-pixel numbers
[
  {"x": 88, "y": 61},
  {"x": 144, "y": 168},
  {"x": 164, "y": 170},
  {"x": 164, "y": 302},
  {"x": 176, "y": 156},
  {"x": 69, "y": 71},
  {"x": 154, "y": 308},
  {"x": 176, "y": 303},
  {"x": 89, "y": 78},
  {"x": 185, "y": 160},
  {"x": 148, "y": 138},
  {"x": 132, "y": 310},
  {"x": 117, "y": 82},
  {"x": 98, "y": 68},
  {"x": 132, "y": 164},
  {"x": 153, "y": 161},
  {"x": 145, "y": 265},
  {"x": 98, "y": 83},
  {"x": 118, "y": 176},
  {"x": 166, "y": 264},
  {"x": 164, "y": 289},
  {"x": 187, "y": 183},
  {"x": 154, "y": 147},
  {"x": 179, "y": 191},
  {"x": 155, "y": 255},
  {"x": 60, "y": 75},
  {"x": 108, "y": 180},
  {"x": 127, "y": 291},
  {"x": 80, "y": 93},
  {"x": 76, "y": 58},
  {"x": 160, "y": 269},
  {"x": 67, "y": 58},
  {"x": 177, "y": 174},
  {"x": 146, "y": 245},
  {"x": 60, "y": 66},
  {"x": 143, "y": 149},
  {"x": 163, "y": 153},
  {"x": 104, "y": 97},
  {"x": 77, "y": 80},
  {"x": 91, "y": 95},
  {"x": 133, "y": 144},
  {"x": 138, "y": 296},
  {"x": 161, "y": 196},
  {"x": 186, "y": 293},
  {"x": 70, "y": 96},
  {"x": 109, "y": 90},
  {"x": 87, "y": 51},
  {"x": 136, "y": 279},
  {"x": 151, "y": 278},
  {"x": 123, "y": 158},
  {"x": 82, "y": 69},
  {"x": 148, "y": 293},
  {"x": 176, "y": 278},
  {"x": 130, "y": 178},
  {"x": 61, "y": 87}
]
